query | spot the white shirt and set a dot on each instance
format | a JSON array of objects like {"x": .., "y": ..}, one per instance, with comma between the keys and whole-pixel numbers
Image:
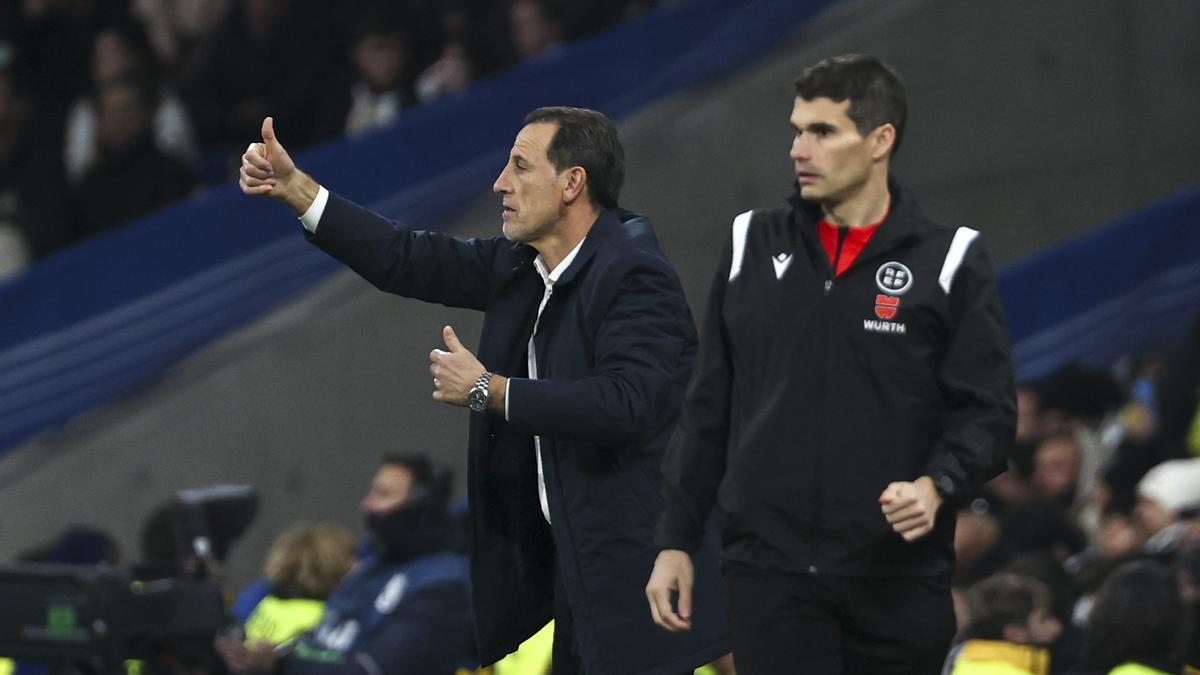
[
  {"x": 549, "y": 279},
  {"x": 313, "y": 216}
]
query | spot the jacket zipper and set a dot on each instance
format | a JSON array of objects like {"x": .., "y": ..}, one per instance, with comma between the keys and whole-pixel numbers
[{"x": 813, "y": 566}]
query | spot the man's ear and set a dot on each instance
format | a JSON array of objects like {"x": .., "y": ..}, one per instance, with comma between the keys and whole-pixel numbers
[
  {"x": 576, "y": 184},
  {"x": 884, "y": 141}
]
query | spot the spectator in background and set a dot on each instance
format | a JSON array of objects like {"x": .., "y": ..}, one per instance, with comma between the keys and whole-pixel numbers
[
  {"x": 52, "y": 39},
  {"x": 1011, "y": 624},
  {"x": 450, "y": 74},
  {"x": 303, "y": 567},
  {"x": 33, "y": 216},
  {"x": 466, "y": 50},
  {"x": 1136, "y": 623},
  {"x": 131, "y": 176},
  {"x": 1167, "y": 495},
  {"x": 1056, "y": 463},
  {"x": 1187, "y": 569},
  {"x": 119, "y": 51},
  {"x": 382, "y": 67},
  {"x": 268, "y": 58},
  {"x": 405, "y": 609},
  {"x": 537, "y": 26},
  {"x": 178, "y": 30}
]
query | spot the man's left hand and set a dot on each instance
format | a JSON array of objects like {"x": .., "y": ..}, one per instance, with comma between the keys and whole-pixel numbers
[
  {"x": 454, "y": 371},
  {"x": 911, "y": 508}
]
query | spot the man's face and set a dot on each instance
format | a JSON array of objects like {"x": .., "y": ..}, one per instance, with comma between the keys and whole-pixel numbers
[
  {"x": 533, "y": 32},
  {"x": 390, "y": 488},
  {"x": 1042, "y": 628},
  {"x": 530, "y": 187},
  {"x": 831, "y": 158},
  {"x": 380, "y": 59},
  {"x": 124, "y": 117},
  {"x": 1056, "y": 467},
  {"x": 1151, "y": 516}
]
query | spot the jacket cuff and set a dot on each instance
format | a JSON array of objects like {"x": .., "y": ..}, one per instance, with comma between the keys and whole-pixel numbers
[{"x": 677, "y": 531}]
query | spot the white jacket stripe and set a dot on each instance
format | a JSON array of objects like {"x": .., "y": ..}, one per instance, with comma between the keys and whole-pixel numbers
[
  {"x": 741, "y": 226},
  {"x": 954, "y": 257}
]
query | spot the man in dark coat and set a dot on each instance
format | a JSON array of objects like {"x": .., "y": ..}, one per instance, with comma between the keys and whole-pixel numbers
[{"x": 586, "y": 348}]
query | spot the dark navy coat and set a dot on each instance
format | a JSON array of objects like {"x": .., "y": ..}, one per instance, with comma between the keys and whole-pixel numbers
[{"x": 615, "y": 346}]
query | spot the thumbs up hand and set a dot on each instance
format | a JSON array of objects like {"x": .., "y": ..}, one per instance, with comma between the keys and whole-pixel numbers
[
  {"x": 454, "y": 371},
  {"x": 268, "y": 169}
]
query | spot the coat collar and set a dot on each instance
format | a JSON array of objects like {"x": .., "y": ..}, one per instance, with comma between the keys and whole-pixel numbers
[
  {"x": 904, "y": 221},
  {"x": 611, "y": 225}
]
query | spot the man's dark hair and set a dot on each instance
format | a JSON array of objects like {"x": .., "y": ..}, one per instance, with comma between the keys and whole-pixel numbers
[
  {"x": 428, "y": 477},
  {"x": 1002, "y": 600},
  {"x": 873, "y": 88},
  {"x": 1137, "y": 616},
  {"x": 588, "y": 139}
]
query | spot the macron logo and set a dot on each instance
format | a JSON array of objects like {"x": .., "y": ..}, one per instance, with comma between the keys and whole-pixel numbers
[
  {"x": 874, "y": 326},
  {"x": 781, "y": 261}
]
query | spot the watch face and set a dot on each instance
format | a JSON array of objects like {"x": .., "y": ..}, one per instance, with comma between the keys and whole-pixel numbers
[
  {"x": 477, "y": 399},
  {"x": 945, "y": 485}
]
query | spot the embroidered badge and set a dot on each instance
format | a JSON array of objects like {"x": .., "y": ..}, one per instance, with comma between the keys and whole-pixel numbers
[{"x": 893, "y": 278}]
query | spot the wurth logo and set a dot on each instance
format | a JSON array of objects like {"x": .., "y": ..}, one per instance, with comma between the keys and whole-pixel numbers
[
  {"x": 886, "y": 306},
  {"x": 876, "y": 326}
]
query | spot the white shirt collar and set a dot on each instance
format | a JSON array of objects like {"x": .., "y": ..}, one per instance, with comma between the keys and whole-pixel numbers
[{"x": 551, "y": 278}]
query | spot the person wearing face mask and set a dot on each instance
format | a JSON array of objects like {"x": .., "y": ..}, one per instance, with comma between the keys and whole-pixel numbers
[{"x": 404, "y": 608}]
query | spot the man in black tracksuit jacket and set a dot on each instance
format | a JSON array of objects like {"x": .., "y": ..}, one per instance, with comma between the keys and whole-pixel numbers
[{"x": 841, "y": 403}]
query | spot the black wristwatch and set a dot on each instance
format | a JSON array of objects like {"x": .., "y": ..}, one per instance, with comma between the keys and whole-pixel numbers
[
  {"x": 477, "y": 397},
  {"x": 945, "y": 486}
]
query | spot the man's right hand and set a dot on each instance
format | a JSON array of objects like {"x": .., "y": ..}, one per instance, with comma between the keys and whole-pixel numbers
[
  {"x": 268, "y": 169},
  {"x": 673, "y": 572}
]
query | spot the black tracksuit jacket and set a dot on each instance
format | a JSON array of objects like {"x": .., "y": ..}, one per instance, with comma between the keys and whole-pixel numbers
[{"x": 812, "y": 393}]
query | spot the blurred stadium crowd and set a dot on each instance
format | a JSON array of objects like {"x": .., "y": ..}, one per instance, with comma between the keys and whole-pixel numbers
[
  {"x": 111, "y": 109},
  {"x": 1086, "y": 552}
]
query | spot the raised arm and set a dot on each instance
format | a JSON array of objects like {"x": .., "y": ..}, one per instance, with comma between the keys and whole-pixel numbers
[{"x": 419, "y": 264}]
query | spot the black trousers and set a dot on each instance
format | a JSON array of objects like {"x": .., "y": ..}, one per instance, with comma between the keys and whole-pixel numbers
[{"x": 785, "y": 622}]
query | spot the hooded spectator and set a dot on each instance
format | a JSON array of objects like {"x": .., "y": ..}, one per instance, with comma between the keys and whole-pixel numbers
[{"x": 1167, "y": 495}]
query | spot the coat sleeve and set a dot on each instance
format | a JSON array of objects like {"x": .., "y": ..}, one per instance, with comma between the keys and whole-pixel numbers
[
  {"x": 976, "y": 381},
  {"x": 695, "y": 459},
  {"x": 429, "y": 632},
  {"x": 641, "y": 346},
  {"x": 428, "y": 266}
]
